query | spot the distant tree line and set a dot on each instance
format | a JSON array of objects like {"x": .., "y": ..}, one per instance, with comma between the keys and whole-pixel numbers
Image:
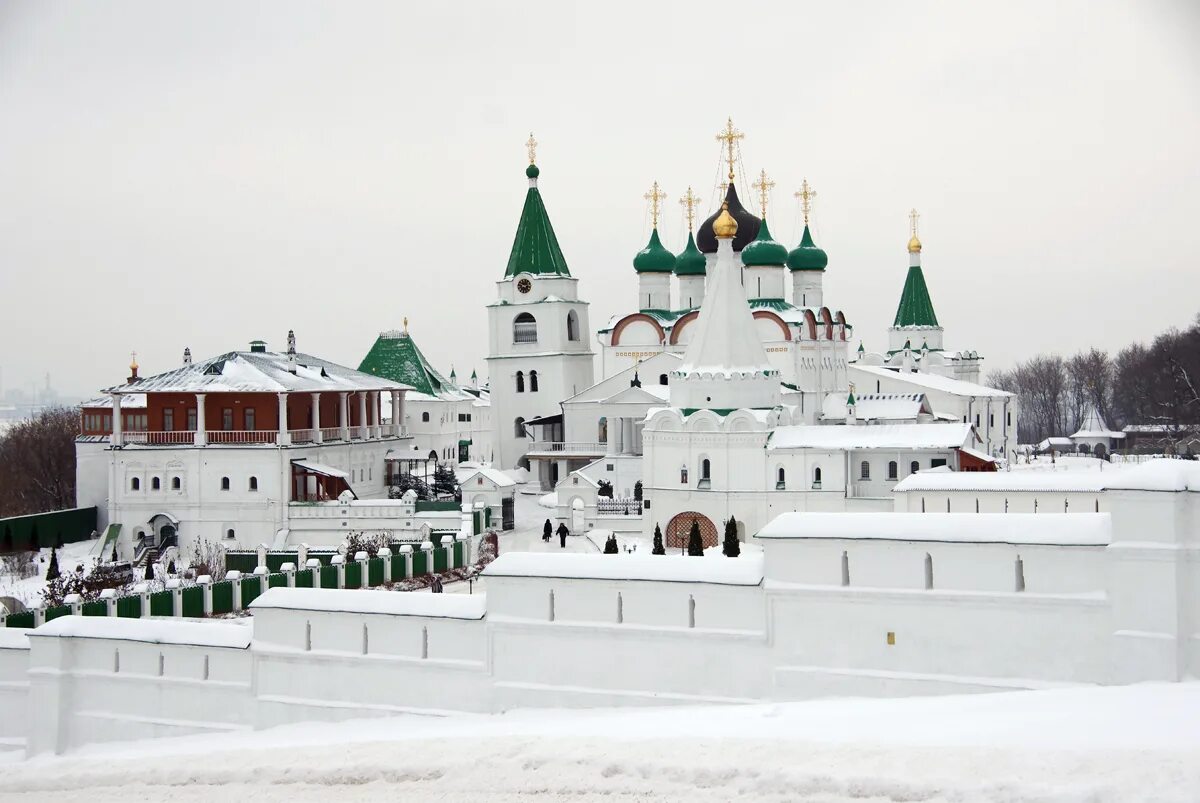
[
  {"x": 1154, "y": 384},
  {"x": 37, "y": 463}
]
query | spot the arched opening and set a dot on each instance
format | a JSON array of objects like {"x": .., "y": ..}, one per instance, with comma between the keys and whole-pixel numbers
[
  {"x": 679, "y": 528},
  {"x": 864, "y": 470},
  {"x": 253, "y": 484},
  {"x": 135, "y": 484},
  {"x": 577, "y": 515},
  {"x": 176, "y": 483},
  {"x": 816, "y": 478},
  {"x": 520, "y": 381},
  {"x": 780, "y": 479},
  {"x": 224, "y": 483},
  {"x": 893, "y": 470},
  {"x": 572, "y": 326},
  {"x": 524, "y": 328},
  {"x": 1085, "y": 449},
  {"x": 662, "y": 379},
  {"x": 230, "y": 534},
  {"x": 914, "y": 467},
  {"x": 705, "y": 473},
  {"x": 519, "y": 427},
  {"x": 602, "y": 430},
  {"x": 1101, "y": 451},
  {"x": 533, "y": 387},
  {"x": 155, "y": 484},
  {"x": 424, "y": 418}
]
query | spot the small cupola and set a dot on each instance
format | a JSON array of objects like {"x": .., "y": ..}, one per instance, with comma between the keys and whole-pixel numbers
[
  {"x": 654, "y": 258},
  {"x": 258, "y": 347},
  {"x": 807, "y": 256},
  {"x": 133, "y": 367},
  {"x": 764, "y": 251}
]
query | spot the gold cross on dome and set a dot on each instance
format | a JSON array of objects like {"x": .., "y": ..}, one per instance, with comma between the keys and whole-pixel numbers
[
  {"x": 764, "y": 186},
  {"x": 531, "y": 145},
  {"x": 654, "y": 197},
  {"x": 730, "y": 136},
  {"x": 805, "y": 194},
  {"x": 689, "y": 202},
  {"x": 913, "y": 217},
  {"x": 133, "y": 359}
]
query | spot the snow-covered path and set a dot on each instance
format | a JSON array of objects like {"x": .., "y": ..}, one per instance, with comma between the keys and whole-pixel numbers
[{"x": 1083, "y": 744}]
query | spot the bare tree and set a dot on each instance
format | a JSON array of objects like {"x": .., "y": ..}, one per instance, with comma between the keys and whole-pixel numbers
[{"x": 37, "y": 463}]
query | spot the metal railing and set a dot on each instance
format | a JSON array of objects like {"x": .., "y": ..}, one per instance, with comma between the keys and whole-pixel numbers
[
  {"x": 242, "y": 436},
  {"x": 573, "y": 447},
  {"x": 618, "y": 507},
  {"x": 301, "y": 435},
  {"x": 331, "y": 433},
  {"x": 174, "y": 437}
]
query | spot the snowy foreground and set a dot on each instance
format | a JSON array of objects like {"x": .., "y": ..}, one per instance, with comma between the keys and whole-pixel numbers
[{"x": 1081, "y": 744}]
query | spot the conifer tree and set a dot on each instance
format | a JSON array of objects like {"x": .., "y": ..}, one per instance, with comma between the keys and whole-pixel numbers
[
  {"x": 610, "y": 546},
  {"x": 731, "y": 547},
  {"x": 52, "y": 570},
  {"x": 171, "y": 566},
  {"x": 695, "y": 545},
  {"x": 113, "y": 558},
  {"x": 658, "y": 542},
  {"x": 149, "y": 570}
]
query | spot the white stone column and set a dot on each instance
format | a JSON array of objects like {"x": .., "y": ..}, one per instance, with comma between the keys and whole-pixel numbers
[
  {"x": 397, "y": 414},
  {"x": 284, "y": 437},
  {"x": 362, "y": 414},
  {"x": 378, "y": 413},
  {"x": 118, "y": 435},
  {"x": 344, "y": 415},
  {"x": 201, "y": 436},
  {"x": 316, "y": 418}
]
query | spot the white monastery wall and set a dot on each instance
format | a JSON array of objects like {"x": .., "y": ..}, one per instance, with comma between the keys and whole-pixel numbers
[{"x": 14, "y": 688}]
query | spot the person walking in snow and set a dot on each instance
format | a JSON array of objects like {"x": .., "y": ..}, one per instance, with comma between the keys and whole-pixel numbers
[
  {"x": 547, "y": 530},
  {"x": 436, "y": 585},
  {"x": 563, "y": 532}
]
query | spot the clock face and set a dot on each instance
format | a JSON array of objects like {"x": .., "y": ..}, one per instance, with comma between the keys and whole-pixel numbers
[{"x": 524, "y": 285}]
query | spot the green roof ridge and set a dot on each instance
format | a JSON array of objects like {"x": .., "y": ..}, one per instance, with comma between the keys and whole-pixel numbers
[
  {"x": 654, "y": 258},
  {"x": 396, "y": 357},
  {"x": 916, "y": 308},
  {"x": 690, "y": 261},
  {"x": 535, "y": 248}
]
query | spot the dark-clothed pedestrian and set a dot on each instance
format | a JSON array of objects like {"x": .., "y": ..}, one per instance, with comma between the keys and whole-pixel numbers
[
  {"x": 563, "y": 532},
  {"x": 547, "y": 530}
]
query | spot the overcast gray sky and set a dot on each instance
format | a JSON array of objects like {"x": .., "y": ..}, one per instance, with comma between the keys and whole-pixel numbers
[{"x": 204, "y": 174}]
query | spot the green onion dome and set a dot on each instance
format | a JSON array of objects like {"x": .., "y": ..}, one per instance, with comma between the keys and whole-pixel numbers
[
  {"x": 654, "y": 258},
  {"x": 691, "y": 262},
  {"x": 807, "y": 256},
  {"x": 764, "y": 251}
]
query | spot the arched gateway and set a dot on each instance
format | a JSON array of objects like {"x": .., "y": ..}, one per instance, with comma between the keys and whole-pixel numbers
[{"x": 676, "y": 536}]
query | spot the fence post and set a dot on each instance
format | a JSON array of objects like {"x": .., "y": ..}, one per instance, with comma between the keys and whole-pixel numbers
[
  {"x": 109, "y": 595},
  {"x": 235, "y": 577},
  {"x": 143, "y": 591},
  {"x": 289, "y": 571},
  {"x": 406, "y": 551},
  {"x": 75, "y": 601},
  {"x": 260, "y": 574},
  {"x": 427, "y": 548},
  {"x": 466, "y": 539},
  {"x": 386, "y": 553},
  {"x": 175, "y": 586},
  {"x": 39, "y": 616},
  {"x": 205, "y": 582},
  {"x": 360, "y": 557},
  {"x": 340, "y": 562},
  {"x": 262, "y": 555}
]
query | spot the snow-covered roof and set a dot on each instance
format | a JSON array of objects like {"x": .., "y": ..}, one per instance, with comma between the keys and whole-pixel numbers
[
  {"x": 877, "y": 406},
  {"x": 1094, "y": 426},
  {"x": 944, "y": 384},
  {"x": 497, "y": 476},
  {"x": 743, "y": 571},
  {"x": 1157, "y": 475},
  {"x": 882, "y": 436},
  {"x": 1068, "y": 529},
  {"x": 1005, "y": 481},
  {"x": 258, "y": 372},
  {"x": 129, "y": 401},
  {"x": 445, "y": 606},
  {"x": 153, "y": 631},
  {"x": 1056, "y": 442},
  {"x": 14, "y": 638}
]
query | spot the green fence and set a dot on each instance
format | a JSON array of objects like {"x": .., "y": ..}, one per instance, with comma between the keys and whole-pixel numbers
[
  {"x": 57, "y": 611},
  {"x": 162, "y": 603},
  {"x": 277, "y": 580},
  {"x": 353, "y": 575},
  {"x": 95, "y": 608},
  {"x": 460, "y": 553},
  {"x": 192, "y": 603},
  {"x": 304, "y": 578},
  {"x": 43, "y": 530},
  {"x": 420, "y": 562},
  {"x": 129, "y": 607},
  {"x": 251, "y": 589},
  {"x": 441, "y": 560},
  {"x": 399, "y": 565},
  {"x": 246, "y": 560},
  {"x": 329, "y": 577},
  {"x": 222, "y": 597},
  {"x": 22, "y": 619},
  {"x": 422, "y": 507},
  {"x": 375, "y": 567}
]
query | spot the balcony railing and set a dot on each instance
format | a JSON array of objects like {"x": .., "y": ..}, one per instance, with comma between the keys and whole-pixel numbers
[
  {"x": 331, "y": 433},
  {"x": 160, "y": 438},
  {"x": 242, "y": 436},
  {"x": 619, "y": 507},
  {"x": 567, "y": 447},
  {"x": 301, "y": 435}
]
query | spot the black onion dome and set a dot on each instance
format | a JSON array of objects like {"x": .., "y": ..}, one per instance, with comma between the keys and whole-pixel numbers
[{"x": 747, "y": 225}]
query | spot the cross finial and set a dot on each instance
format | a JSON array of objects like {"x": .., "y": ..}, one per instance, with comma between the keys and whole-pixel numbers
[
  {"x": 805, "y": 194},
  {"x": 531, "y": 145},
  {"x": 654, "y": 197},
  {"x": 689, "y": 202},
  {"x": 913, "y": 217},
  {"x": 764, "y": 186},
  {"x": 730, "y": 136},
  {"x": 133, "y": 360}
]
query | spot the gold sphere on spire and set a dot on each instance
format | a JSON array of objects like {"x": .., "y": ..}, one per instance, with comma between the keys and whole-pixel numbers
[
  {"x": 725, "y": 227},
  {"x": 914, "y": 245}
]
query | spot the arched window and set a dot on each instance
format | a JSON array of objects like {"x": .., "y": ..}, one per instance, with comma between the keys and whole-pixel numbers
[
  {"x": 817, "y": 478},
  {"x": 914, "y": 467},
  {"x": 533, "y": 381},
  {"x": 864, "y": 471},
  {"x": 662, "y": 379},
  {"x": 519, "y": 427},
  {"x": 705, "y": 473},
  {"x": 780, "y": 479},
  {"x": 176, "y": 483},
  {"x": 229, "y": 533},
  {"x": 254, "y": 483},
  {"x": 524, "y": 328},
  {"x": 683, "y": 475},
  {"x": 155, "y": 484},
  {"x": 602, "y": 430},
  {"x": 135, "y": 484},
  {"x": 224, "y": 483},
  {"x": 893, "y": 470},
  {"x": 424, "y": 418},
  {"x": 520, "y": 381},
  {"x": 572, "y": 326}
]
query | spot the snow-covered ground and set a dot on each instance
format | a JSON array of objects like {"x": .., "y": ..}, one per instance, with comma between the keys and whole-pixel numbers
[
  {"x": 1133, "y": 743},
  {"x": 29, "y": 589}
]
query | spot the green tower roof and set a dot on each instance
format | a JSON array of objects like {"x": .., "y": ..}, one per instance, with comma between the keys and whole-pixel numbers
[
  {"x": 915, "y": 307},
  {"x": 763, "y": 251},
  {"x": 654, "y": 258},
  {"x": 535, "y": 249},
  {"x": 807, "y": 256},
  {"x": 690, "y": 262},
  {"x": 396, "y": 357}
]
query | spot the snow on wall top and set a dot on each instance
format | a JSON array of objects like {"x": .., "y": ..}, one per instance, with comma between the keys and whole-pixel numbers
[
  {"x": 1070, "y": 481},
  {"x": 1157, "y": 475},
  {"x": 1075, "y": 529},
  {"x": 154, "y": 631},
  {"x": 497, "y": 476},
  {"x": 884, "y": 436},
  {"x": 394, "y": 603},
  {"x": 945, "y": 384},
  {"x": 14, "y": 638},
  {"x": 872, "y": 406},
  {"x": 746, "y": 570}
]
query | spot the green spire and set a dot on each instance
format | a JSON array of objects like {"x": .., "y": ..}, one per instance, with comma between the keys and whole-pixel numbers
[
  {"x": 763, "y": 251},
  {"x": 654, "y": 258},
  {"x": 535, "y": 249},
  {"x": 690, "y": 262},
  {"x": 915, "y": 307},
  {"x": 396, "y": 357},
  {"x": 807, "y": 256}
]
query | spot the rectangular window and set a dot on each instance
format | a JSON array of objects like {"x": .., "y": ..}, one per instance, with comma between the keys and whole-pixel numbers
[
  {"x": 191, "y": 420},
  {"x": 937, "y": 461},
  {"x": 108, "y": 422},
  {"x": 136, "y": 422},
  {"x": 991, "y": 420},
  {"x": 977, "y": 419},
  {"x": 1008, "y": 417},
  {"x": 248, "y": 414},
  {"x": 168, "y": 420},
  {"x": 227, "y": 419}
]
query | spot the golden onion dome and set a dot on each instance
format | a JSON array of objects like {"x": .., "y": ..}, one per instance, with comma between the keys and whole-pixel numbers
[
  {"x": 725, "y": 227},
  {"x": 914, "y": 245}
]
